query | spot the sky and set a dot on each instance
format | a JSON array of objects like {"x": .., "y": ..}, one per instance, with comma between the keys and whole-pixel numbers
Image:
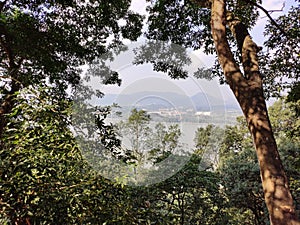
[{"x": 132, "y": 78}]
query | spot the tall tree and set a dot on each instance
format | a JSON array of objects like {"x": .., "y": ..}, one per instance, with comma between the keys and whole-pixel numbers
[
  {"x": 45, "y": 42},
  {"x": 48, "y": 41},
  {"x": 148, "y": 145},
  {"x": 215, "y": 24},
  {"x": 248, "y": 90}
]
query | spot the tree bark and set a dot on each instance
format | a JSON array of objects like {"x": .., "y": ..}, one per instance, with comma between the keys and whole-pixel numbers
[{"x": 248, "y": 90}]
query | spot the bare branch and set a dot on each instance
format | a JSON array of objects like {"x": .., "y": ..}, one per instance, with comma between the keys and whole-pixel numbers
[
  {"x": 269, "y": 16},
  {"x": 277, "y": 10}
]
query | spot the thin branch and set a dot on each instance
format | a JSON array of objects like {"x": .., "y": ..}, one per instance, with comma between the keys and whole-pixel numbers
[
  {"x": 269, "y": 16},
  {"x": 277, "y": 10}
]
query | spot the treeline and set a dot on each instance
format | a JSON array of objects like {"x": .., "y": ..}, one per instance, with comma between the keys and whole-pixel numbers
[{"x": 46, "y": 180}]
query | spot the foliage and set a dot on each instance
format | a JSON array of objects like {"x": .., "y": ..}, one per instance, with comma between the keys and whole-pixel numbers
[
  {"x": 186, "y": 24},
  {"x": 44, "y": 179},
  {"x": 279, "y": 64},
  {"x": 59, "y": 37},
  {"x": 294, "y": 95},
  {"x": 164, "y": 142},
  {"x": 208, "y": 143},
  {"x": 286, "y": 128},
  {"x": 191, "y": 196},
  {"x": 285, "y": 121},
  {"x": 43, "y": 176},
  {"x": 165, "y": 57}
]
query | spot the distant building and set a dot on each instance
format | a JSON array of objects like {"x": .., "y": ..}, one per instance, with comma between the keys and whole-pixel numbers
[
  {"x": 167, "y": 112},
  {"x": 200, "y": 113}
]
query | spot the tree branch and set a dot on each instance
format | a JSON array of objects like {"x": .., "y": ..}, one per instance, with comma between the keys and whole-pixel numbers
[
  {"x": 269, "y": 16},
  {"x": 230, "y": 68},
  {"x": 208, "y": 3},
  {"x": 203, "y": 3},
  {"x": 247, "y": 47}
]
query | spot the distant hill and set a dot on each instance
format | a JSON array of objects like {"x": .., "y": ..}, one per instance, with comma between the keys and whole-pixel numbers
[{"x": 159, "y": 100}]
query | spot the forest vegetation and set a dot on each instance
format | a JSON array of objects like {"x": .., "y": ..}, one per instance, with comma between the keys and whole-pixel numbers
[{"x": 45, "y": 177}]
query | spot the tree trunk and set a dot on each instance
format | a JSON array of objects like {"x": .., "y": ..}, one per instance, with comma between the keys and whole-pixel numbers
[{"x": 248, "y": 90}]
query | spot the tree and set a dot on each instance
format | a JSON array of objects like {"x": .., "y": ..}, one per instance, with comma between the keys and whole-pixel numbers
[
  {"x": 137, "y": 129},
  {"x": 242, "y": 75},
  {"x": 284, "y": 116},
  {"x": 208, "y": 144},
  {"x": 44, "y": 179},
  {"x": 279, "y": 63},
  {"x": 164, "y": 142},
  {"x": 148, "y": 145},
  {"x": 239, "y": 172},
  {"x": 46, "y": 42},
  {"x": 247, "y": 87},
  {"x": 285, "y": 120},
  {"x": 191, "y": 196}
]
